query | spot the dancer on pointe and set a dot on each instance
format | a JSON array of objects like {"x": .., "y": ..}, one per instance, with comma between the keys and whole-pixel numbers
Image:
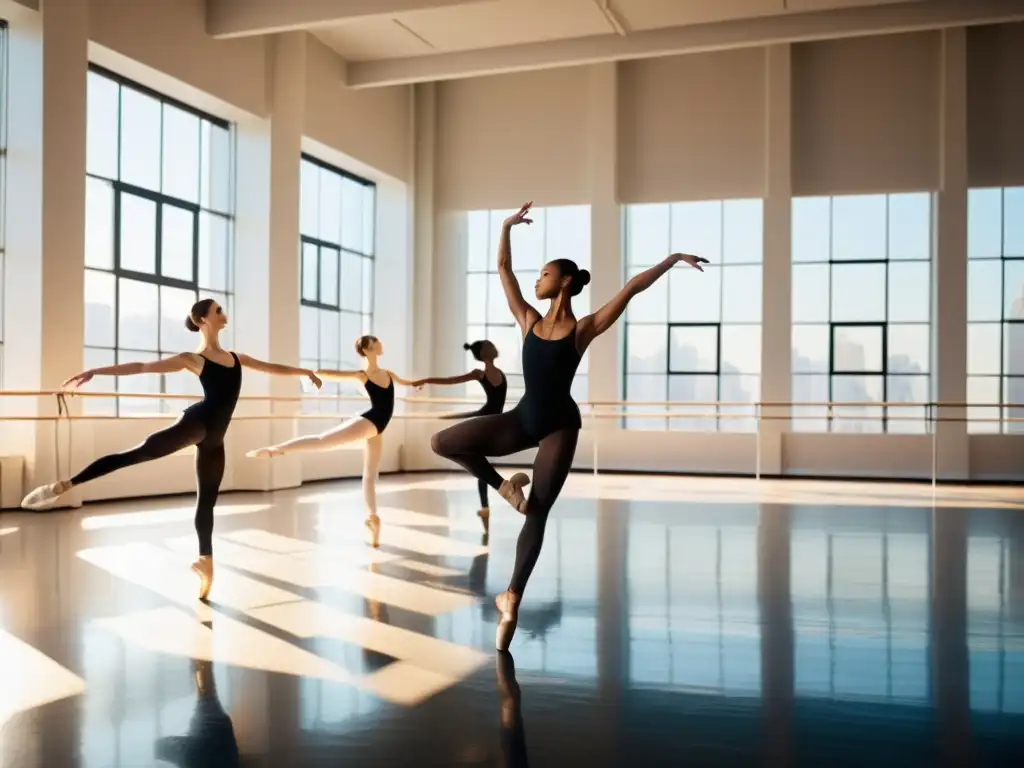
[
  {"x": 546, "y": 416},
  {"x": 202, "y": 424},
  {"x": 369, "y": 426},
  {"x": 495, "y": 387}
]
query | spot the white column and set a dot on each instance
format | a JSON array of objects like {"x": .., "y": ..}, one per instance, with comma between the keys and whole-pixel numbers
[
  {"x": 949, "y": 307},
  {"x": 776, "y": 336}
]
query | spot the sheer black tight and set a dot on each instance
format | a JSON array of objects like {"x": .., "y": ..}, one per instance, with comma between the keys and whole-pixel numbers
[
  {"x": 189, "y": 430},
  {"x": 470, "y": 443}
]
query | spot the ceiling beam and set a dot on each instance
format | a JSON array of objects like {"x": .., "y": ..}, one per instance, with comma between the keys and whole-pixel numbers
[
  {"x": 742, "y": 33},
  {"x": 245, "y": 18}
]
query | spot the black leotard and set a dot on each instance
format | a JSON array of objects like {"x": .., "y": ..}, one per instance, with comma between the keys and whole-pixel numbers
[
  {"x": 495, "y": 395},
  {"x": 382, "y": 404},
  {"x": 549, "y": 366},
  {"x": 221, "y": 385}
]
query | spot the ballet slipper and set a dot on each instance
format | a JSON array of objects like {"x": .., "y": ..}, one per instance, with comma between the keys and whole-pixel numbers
[
  {"x": 507, "y": 604},
  {"x": 264, "y": 453},
  {"x": 203, "y": 568},
  {"x": 46, "y": 496},
  {"x": 511, "y": 490},
  {"x": 485, "y": 517},
  {"x": 373, "y": 527}
]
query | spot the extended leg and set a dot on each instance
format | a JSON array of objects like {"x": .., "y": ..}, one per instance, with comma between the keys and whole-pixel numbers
[
  {"x": 371, "y": 466},
  {"x": 209, "y": 473},
  {"x": 351, "y": 431}
]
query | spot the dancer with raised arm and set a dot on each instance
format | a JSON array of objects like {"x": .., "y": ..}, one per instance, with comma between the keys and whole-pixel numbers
[
  {"x": 546, "y": 416},
  {"x": 495, "y": 387},
  {"x": 202, "y": 424},
  {"x": 369, "y": 426}
]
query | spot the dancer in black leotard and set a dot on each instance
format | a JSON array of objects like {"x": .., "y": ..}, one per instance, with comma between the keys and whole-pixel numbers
[
  {"x": 368, "y": 426},
  {"x": 202, "y": 424},
  {"x": 546, "y": 416},
  {"x": 495, "y": 387}
]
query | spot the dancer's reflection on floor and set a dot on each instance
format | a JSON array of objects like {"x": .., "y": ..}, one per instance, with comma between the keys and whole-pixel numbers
[
  {"x": 513, "y": 734},
  {"x": 210, "y": 742}
]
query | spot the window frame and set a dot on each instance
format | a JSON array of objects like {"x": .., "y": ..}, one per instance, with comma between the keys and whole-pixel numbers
[{"x": 4, "y": 94}]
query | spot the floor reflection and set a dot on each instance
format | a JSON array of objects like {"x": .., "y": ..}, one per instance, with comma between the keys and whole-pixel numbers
[{"x": 720, "y": 621}]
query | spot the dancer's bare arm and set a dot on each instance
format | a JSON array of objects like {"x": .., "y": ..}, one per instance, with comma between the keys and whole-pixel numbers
[
  {"x": 276, "y": 369},
  {"x": 341, "y": 375},
  {"x": 444, "y": 381},
  {"x": 592, "y": 326},
  {"x": 524, "y": 314},
  {"x": 404, "y": 382},
  {"x": 167, "y": 365}
]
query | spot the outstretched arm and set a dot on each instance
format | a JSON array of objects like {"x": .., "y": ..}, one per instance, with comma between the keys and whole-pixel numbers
[
  {"x": 592, "y": 326},
  {"x": 405, "y": 382},
  {"x": 449, "y": 380},
  {"x": 341, "y": 375},
  {"x": 276, "y": 369},
  {"x": 521, "y": 310},
  {"x": 168, "y": 365}
]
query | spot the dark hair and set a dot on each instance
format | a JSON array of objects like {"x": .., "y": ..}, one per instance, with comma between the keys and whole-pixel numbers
[
  {"x": 476, "y": 348},
  {"x": 363, "y": 342},
  {"x": 195, "y": 315},
  {"x": 578, "y": 278}
]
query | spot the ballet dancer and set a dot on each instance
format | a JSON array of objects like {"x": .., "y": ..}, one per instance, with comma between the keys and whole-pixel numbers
[
  {"x": 202, "y": 424},
  {"x": 495, "y": 387},
  {"x": 546, "y": 417},
  {"x": 369, "y": 426}
]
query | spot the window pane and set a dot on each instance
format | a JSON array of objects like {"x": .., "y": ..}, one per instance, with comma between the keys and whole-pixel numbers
[
  {"x": 352, "y": 235},
  {"x": 909, "y": 349},
  {"x": 366, "y": 322},
  {"x": 858, "y": 293},
  {"x": 738, "y": 389},
  {"x": 741, "y": 294},
  {"x": 1013, "y": 348},
  {"x": 1013, "y": 222},
  {"x": 330, "y": 207},
  {"x": 309, "y": 333},
  {"x": 101, "y": 132},
  {"x": 352, "y": 281},
  {"x": 329, "y": 277},
  {"x": 367, "y": 297},
  {"x": 138, "y": 384},
  {"x": 476, "y": 298},
  {"x": 1013, "y": 287},
  {"x": 497, "y": 306},
  {"x": 508, "y": 340},
  {"x": 1013, "y": 394},
  {"x": 215, "y": 190},
  {"x": 528, "y": 243},
  {"x": 910, "y": 226},
  {"x": 140, "y": 139},
  {"x": 855, "y": 389},
  {"x": 982, "y": 390},
  {"x": 697, "y": 389},
  {"x": 331, "y": 343},
  {"x": 810, "y": 293},
  {"x": 99, "y": 224},
  {"x": 181, "y": 154},
  {"x": 857, "y": 348},
  {"x": 176, "y": 247},
  {"x": 912, "y": 419},
  {"x": 479, "y": 248},
  {"x": 93, "y": 406},
  {"x": 697, "y": 229},
  {"x": 137, "y": 325},
  {"x": 811, "y": 223},
  {"x": 984, "y": 223},
  {"x": 858, "y": 227},
  {"x": 741, "y": 349},
  {"x": 350, "y": 329},
  {"x": 138, "y": 233},
  {"x": 310, "y": 272},
  {"x": 810, "y": 389},
  {"x": 369, "y": 219},
  {"x": 214, "y": 252},
  {"x": 743, "y": 231},
  {"x": 646, "y": 348},
  {"x": 652, "y": 305},
  {"x": 647, "y": 234},
  {"x": 646, "y": 389},
  {"x": 692, "y": 297},
  {"x": 984, "y": 287},
  {"x": 910, "y": 292},
  {"x": 99, "y": 309},
  {"x": 984, "y": 348},
  {"x": 568, "y": 234},
  {"x": 175, "y": 304},
  {"x": 810, "y": 349},
  {"x": 309, "y": 199},
  {"x": 693, "y": 348}
]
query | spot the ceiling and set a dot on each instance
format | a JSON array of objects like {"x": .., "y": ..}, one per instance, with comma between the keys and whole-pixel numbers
[{"x": 387, "y": 42}]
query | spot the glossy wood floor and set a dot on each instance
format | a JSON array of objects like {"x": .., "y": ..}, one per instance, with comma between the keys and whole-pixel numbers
[{"x": 670, "y": 621}]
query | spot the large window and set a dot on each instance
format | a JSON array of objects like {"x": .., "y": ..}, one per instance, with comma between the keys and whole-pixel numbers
[
  {"x": 995, "y": 309},
  {"x": 3, "y": 183},
  {"x": 696, "y": 337},
  {"x": 862, "y": 311},
  {"x": 556, "y": 233},
  {"x": 158, "y": 229},
  {"x": 337, "y": 238}
]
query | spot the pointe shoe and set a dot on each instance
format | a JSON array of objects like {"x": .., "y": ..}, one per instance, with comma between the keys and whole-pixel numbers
[
  {"x": 203, "y": 568},
  {"x": 512, "y": 491},
  {"x": 373, "y": 527},
  {"x": 507, "y": 604},
  {"x": 485, "y": 517},
  {"x": 45, "y": 496}
]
